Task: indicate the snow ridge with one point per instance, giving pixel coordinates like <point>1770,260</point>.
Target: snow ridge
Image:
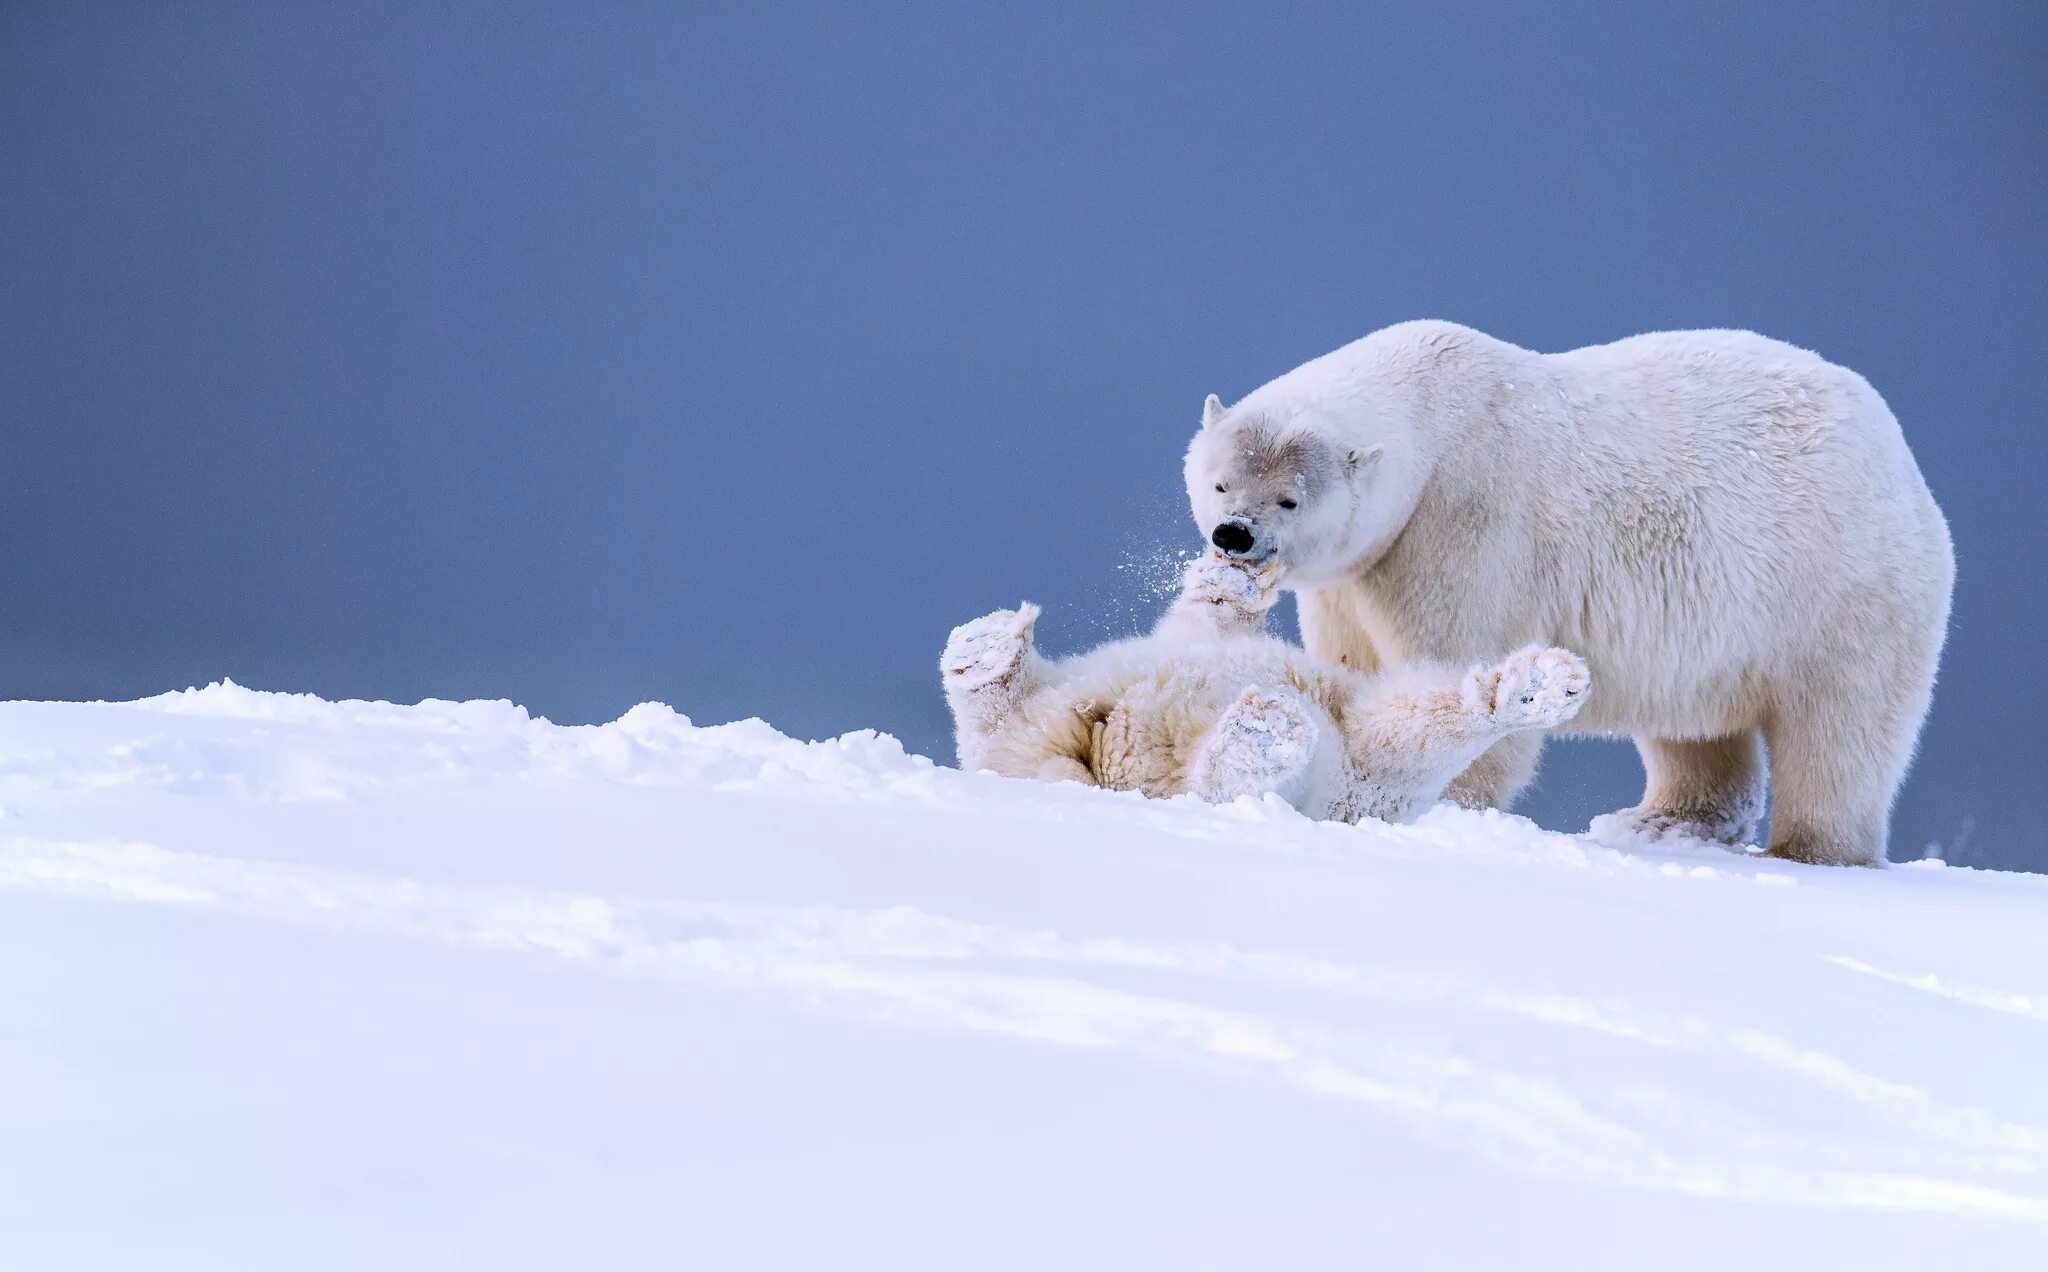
<point>1603,1016</point>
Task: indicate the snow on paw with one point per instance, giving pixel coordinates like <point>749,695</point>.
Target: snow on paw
<point>1215,579</point>
<point>1261,744</point>
<point>989,649</point>
<point>1533,688</point>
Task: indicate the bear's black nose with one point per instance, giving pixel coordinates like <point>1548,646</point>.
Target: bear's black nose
<point>1234,537</point>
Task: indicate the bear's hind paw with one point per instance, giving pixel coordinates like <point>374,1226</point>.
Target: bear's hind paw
<point>1262,743</point>
<point>1532,688</point>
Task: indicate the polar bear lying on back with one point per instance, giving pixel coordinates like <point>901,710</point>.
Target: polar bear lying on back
<point>1209,704</point>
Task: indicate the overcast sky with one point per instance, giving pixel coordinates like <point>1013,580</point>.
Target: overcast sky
<point>729,354</point>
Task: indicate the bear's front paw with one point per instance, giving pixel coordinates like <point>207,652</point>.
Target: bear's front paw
<point>987,650</point>
<point>1532,688</point>
<point>1214,579</point>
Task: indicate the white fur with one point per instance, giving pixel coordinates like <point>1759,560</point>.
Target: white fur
<point>1211,705</point>
<point>1730,529</point>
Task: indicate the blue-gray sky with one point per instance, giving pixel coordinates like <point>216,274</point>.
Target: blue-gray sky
<point>728,354</point>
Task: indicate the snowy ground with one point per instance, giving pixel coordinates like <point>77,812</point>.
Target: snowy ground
<point>291,984</point>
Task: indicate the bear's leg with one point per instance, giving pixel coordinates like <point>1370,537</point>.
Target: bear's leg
<point>989,666</point>
<point>1495,778</point>
<point>1413,737</point>
<point>1706,788</point>
<point>1264,742</point>
<point>1836,761</point>
<point>1331,631</point>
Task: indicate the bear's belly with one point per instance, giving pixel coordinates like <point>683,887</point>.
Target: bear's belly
<point>1683,680</point>
<point>1631,697</point>
<point>1696,677</point>
<point>1145,741</point>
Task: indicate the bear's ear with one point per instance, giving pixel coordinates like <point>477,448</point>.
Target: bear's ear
<point>1212,410</point>
<point>1357,461</point>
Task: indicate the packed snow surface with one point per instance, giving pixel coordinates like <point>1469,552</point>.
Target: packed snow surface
<point>287,983</point>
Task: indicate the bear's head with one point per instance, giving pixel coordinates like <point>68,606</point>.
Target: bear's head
<point>1262,486</point>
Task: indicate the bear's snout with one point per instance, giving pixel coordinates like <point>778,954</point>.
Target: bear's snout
<point>1233,538</point>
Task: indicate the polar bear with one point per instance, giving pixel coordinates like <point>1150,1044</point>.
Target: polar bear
<point>1211,704</point>
<point>1730,530</point>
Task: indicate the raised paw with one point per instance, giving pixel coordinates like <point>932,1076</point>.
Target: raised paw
<point>1262,743</point>
<point>988,650</point>
<point>1532,688</point>
<point>1214,579</point>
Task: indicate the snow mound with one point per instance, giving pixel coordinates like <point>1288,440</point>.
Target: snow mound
<point>305,983</point>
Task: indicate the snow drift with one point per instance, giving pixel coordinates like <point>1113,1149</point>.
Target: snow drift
<point>297,983</point>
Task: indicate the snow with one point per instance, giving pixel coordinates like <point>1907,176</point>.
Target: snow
<point>291,983</point>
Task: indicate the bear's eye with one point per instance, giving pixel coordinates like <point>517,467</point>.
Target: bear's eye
<point>1287,504</point>
<point>1219,487</point>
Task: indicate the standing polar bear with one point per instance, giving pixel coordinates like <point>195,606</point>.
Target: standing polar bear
<point>1210,705</point>
<point>1729,529</point>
